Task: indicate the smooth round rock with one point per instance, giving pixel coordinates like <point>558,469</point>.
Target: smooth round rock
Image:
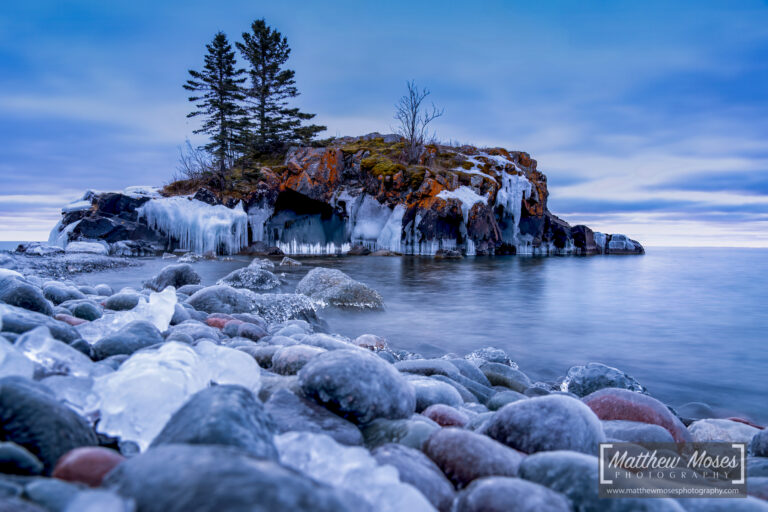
<point>431,391</point>
<point>464,456</point>
<point>583,380</point>
<point>251,331</point>
<point>122,301</point>
<point>501,494</point>
<point>759,445</point>
<point>173,275</point>
<point>503,398</point>
<point>87,310</point>
<point>104,290</point>
<point>34,419</point>
<point>182,478</point>
<point>289,360</point>
<point>222,415</point>
<point>87,465</point>
<point>16,460</point>
<point>194,329</point>
<point>357,385</point>
<point>58,292</point>
<point>621,404</point>
<point>292,413</point>
<point>19,293</point>
<point>553,422</point>
<point>502,375</point>
<point>412,432</point>
<point>418,470</point>
<point>446,416</point>
<point>636,432</point>
<point>134,336</point>
<point>726,431</point>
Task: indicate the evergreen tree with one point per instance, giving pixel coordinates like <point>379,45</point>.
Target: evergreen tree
<point>273,125</point>
<point>219,91</point>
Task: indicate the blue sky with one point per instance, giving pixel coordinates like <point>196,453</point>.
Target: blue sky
<point>649,118</point>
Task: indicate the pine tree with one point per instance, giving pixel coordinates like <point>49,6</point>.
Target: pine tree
<point>273,125</point>
<point>219,93</point>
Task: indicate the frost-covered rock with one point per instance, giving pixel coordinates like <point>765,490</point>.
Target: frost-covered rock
<point>431,391</point>
<point>726,431</point>
<point>221,299</point>
<point>357,385</point>
<point>34,419</point>
<point>88,247</point>
<point>18,320</point>
<point>53,357</point>
<point>181,478</point>
<point>222,415</point>
<point>335,288</point>
<point>464,456</point>
<point>281,307</point>
<point>173,275</point>
<point>158,311</point>
<point>137,400</point>
<point>122,301</point>
<point>502,375</point>
<point>57,292</point>
<point>553,422</point>
<point>350,468</point>
<point>251,278</point>
<point>583,380</point>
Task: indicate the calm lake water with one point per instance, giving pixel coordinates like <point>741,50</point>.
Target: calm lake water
<point>689,323</point>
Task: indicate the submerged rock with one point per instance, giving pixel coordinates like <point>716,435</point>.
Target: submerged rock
<point>553,422</point>
<point>251,278</point>
<point>357,385</point>
<point>335,288</point>
<point>180,478</point>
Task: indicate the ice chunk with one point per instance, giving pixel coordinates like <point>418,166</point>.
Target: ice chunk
<point>75,392</point>
<point>257,218</point>
<point>13,361</point>
<point>60,233</point>
<point>349,468</point>
<point>51,356</point>
<point>391,235</point>
<point>467,196</point>
<point>198,226</point>
<point>158,311</point>
<point>88,247</point>
<point>136,401</point>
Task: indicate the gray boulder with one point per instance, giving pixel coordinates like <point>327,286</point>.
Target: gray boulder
<point>173,275</point>
<point>497,494</point>
<point>17,292</point>
<point>583,380</point>
<point>357,385</point>
<point>134,336</point>
<point>220,299</point>
<point>335,288</point>
<point>251,278</point>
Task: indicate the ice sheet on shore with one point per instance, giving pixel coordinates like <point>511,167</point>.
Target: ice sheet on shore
<point>349,468</point>
<point>136,401</point>
<point>198,226</point>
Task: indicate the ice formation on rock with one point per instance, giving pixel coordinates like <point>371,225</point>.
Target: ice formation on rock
<point>136,401</point>
<point>52,356</point>
<point>257,219</point>
<point>467,196</point>
<point>349,468</point>
<point>13,361</point>
<point>198,226</point>
<point>295,247</point>
<point>88,247</point>
<point>514,188</point>
<point>158,310</point>
<point>60,234</point>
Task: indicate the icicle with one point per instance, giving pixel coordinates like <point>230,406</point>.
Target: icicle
<point>196,225</point>
<point>514,188</point>
<point>257,218</point>
<point>299,248</point>
<point>390,237</point>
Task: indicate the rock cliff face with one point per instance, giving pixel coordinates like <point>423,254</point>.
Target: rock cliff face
<point>353,192</point>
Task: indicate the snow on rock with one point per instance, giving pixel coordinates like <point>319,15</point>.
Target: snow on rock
<point>158,310</point>
<point>88,247</point>
<point>137,400</point>
<point>198,226</point>
<point>350,468</point>
<point>467,196</point>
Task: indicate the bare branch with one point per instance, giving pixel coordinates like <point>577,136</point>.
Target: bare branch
<point>414,119</point>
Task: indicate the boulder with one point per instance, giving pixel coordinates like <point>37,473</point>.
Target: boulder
<point>335,288</point>
<point>502,375</point>
<point>122,301</point>
<point>583,380</point>
<point>418,470</point>
<point>180,478</point>
<point>220,299</point>
<point>251,278</point>
<point>465,456</point>
<point>19,320</point>
<point>289,360</point>
<point>495,494</point>
<point>726,431</point>
<point>280,307</point>
<point>552,422</point>
<point>636,432</point>
<point>621,404</point>
<point>134,336</point>
<point>292,413</point>
<point>357,385</point>
<point>177,276</point>
<point>759,445</point>
<point>223,415</point>
<point>36,420</point>
<point>18,292</point>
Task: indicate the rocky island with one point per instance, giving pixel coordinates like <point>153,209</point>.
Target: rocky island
<point>346,195</point>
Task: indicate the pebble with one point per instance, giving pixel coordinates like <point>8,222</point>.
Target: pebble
<point>87,465</point>
<point>497,494</point>
<point>134,336</point>
<point>502,375</point>
<point>446,416</point>
<point>177,276</point>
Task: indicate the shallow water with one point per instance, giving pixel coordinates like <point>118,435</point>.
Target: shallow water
<point>689,324</point>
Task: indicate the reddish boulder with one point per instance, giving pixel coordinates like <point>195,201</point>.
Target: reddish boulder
<point>87,465</point>
<point>69,319</point>
<point>622,404</point>
<point>446,416</point>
